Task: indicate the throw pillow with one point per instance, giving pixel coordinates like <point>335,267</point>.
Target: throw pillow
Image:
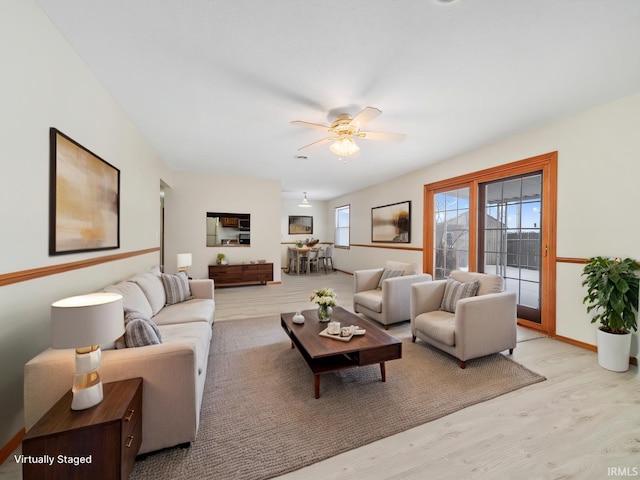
<point>176,287</point>
<point>455,291</point>
<point>389,273</point>
<point>139,330</point>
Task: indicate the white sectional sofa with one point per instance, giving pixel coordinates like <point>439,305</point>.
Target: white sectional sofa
<point>173,371</point>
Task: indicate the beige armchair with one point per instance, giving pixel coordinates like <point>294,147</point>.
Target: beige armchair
<point>383,293</point>
<point>479,325</point>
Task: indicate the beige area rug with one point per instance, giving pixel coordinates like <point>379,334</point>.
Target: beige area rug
<point>260,418</point>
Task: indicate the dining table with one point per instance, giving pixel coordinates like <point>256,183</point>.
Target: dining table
<point>298,259</point>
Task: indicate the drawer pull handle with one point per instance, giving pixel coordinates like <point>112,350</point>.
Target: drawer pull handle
<point>129,441</point>
<point>130,416</point>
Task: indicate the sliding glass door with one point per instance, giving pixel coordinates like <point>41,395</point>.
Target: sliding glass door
<point>509,237</point>
<point>502,221</point>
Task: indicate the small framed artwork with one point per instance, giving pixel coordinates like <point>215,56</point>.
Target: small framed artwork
<point>391,223</point>
<point>300,225</point>
<point>84,198</point>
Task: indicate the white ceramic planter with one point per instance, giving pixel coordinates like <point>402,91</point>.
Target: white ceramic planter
<point>613,351</point>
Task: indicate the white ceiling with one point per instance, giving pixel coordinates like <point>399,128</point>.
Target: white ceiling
<point>214,84</point>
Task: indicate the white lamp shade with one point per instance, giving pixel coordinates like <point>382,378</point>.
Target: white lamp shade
<point>184,260</point>
<point>85,320</point>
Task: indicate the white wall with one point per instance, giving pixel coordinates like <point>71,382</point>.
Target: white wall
<point>194,194</point>
<point>400,189</point>
<point>45,84</point>
<point>598,195</point>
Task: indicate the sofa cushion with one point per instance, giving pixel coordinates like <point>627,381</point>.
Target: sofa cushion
<point>153,289</point>
<point>455,291</point>
<point>132,297</point>
<point>389,273</point>
<point>438,325</point>
<point>194,310</point>
<point>140,331</point>
<point>176,287</point>
<point>371,299</point>
<point>196,333</point>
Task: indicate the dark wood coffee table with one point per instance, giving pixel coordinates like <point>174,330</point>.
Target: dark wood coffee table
<point>324,355</point>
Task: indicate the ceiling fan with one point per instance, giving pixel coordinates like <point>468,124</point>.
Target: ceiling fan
<point>343,131</point>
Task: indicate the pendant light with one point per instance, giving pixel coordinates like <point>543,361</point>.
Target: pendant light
<point>305,203</point>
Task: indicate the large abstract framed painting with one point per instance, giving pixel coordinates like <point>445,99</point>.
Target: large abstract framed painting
<point>84,199</point>
<point>300,225</point>
<point>391,223</point>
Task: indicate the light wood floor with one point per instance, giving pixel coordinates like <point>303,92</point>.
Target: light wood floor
<point>583,422</point>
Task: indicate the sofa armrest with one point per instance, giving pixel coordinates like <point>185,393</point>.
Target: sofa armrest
<point>169,373</point>
<point>364,280</point>
<point>486,324</point>
<point>426,297</point>
<point>202,288</point>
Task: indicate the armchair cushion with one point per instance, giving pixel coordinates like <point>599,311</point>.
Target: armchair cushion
<point>438,325</point>
<point>455,291</point>
<point>371,299</point>
<point>389,273</point>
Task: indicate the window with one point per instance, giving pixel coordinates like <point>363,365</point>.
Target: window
<point>342,226</point>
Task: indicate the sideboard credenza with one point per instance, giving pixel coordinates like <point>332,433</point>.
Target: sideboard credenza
<point>241,274</point>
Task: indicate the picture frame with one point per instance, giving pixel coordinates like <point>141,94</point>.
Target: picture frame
<point>84,198</point>
<point>391,223</point>
<point>300,225</point>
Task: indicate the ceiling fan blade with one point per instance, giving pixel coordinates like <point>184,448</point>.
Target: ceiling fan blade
<point>319,142</point>
<point>389,137</point>
<point>311,125</point>
<point>365,116</point>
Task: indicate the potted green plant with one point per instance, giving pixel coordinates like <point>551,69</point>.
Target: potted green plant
<point>221,259</point>
<point>612,292</point>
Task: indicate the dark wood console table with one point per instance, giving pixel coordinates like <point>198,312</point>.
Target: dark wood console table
<point>241,274</point>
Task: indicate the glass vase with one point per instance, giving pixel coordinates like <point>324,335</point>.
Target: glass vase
<point>324,313</point>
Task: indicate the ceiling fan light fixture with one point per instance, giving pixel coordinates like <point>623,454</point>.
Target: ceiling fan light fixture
<point>344,147</point>
<point>305,202</point>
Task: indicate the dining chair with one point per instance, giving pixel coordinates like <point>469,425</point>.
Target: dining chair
<point>321,262</point>
<point>328,257</point>
<point>312,260</point>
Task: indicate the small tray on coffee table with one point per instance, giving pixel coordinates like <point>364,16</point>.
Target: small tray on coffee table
<point>325,333</point>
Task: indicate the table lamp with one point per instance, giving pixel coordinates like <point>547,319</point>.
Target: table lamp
<point>85,322</point>
<point>184,262</point>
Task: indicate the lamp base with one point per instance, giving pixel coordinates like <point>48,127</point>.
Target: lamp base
<point>87,386</point>
<point>84,398</point>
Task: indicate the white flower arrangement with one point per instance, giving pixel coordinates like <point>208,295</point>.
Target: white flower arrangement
<point>324,296</point>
